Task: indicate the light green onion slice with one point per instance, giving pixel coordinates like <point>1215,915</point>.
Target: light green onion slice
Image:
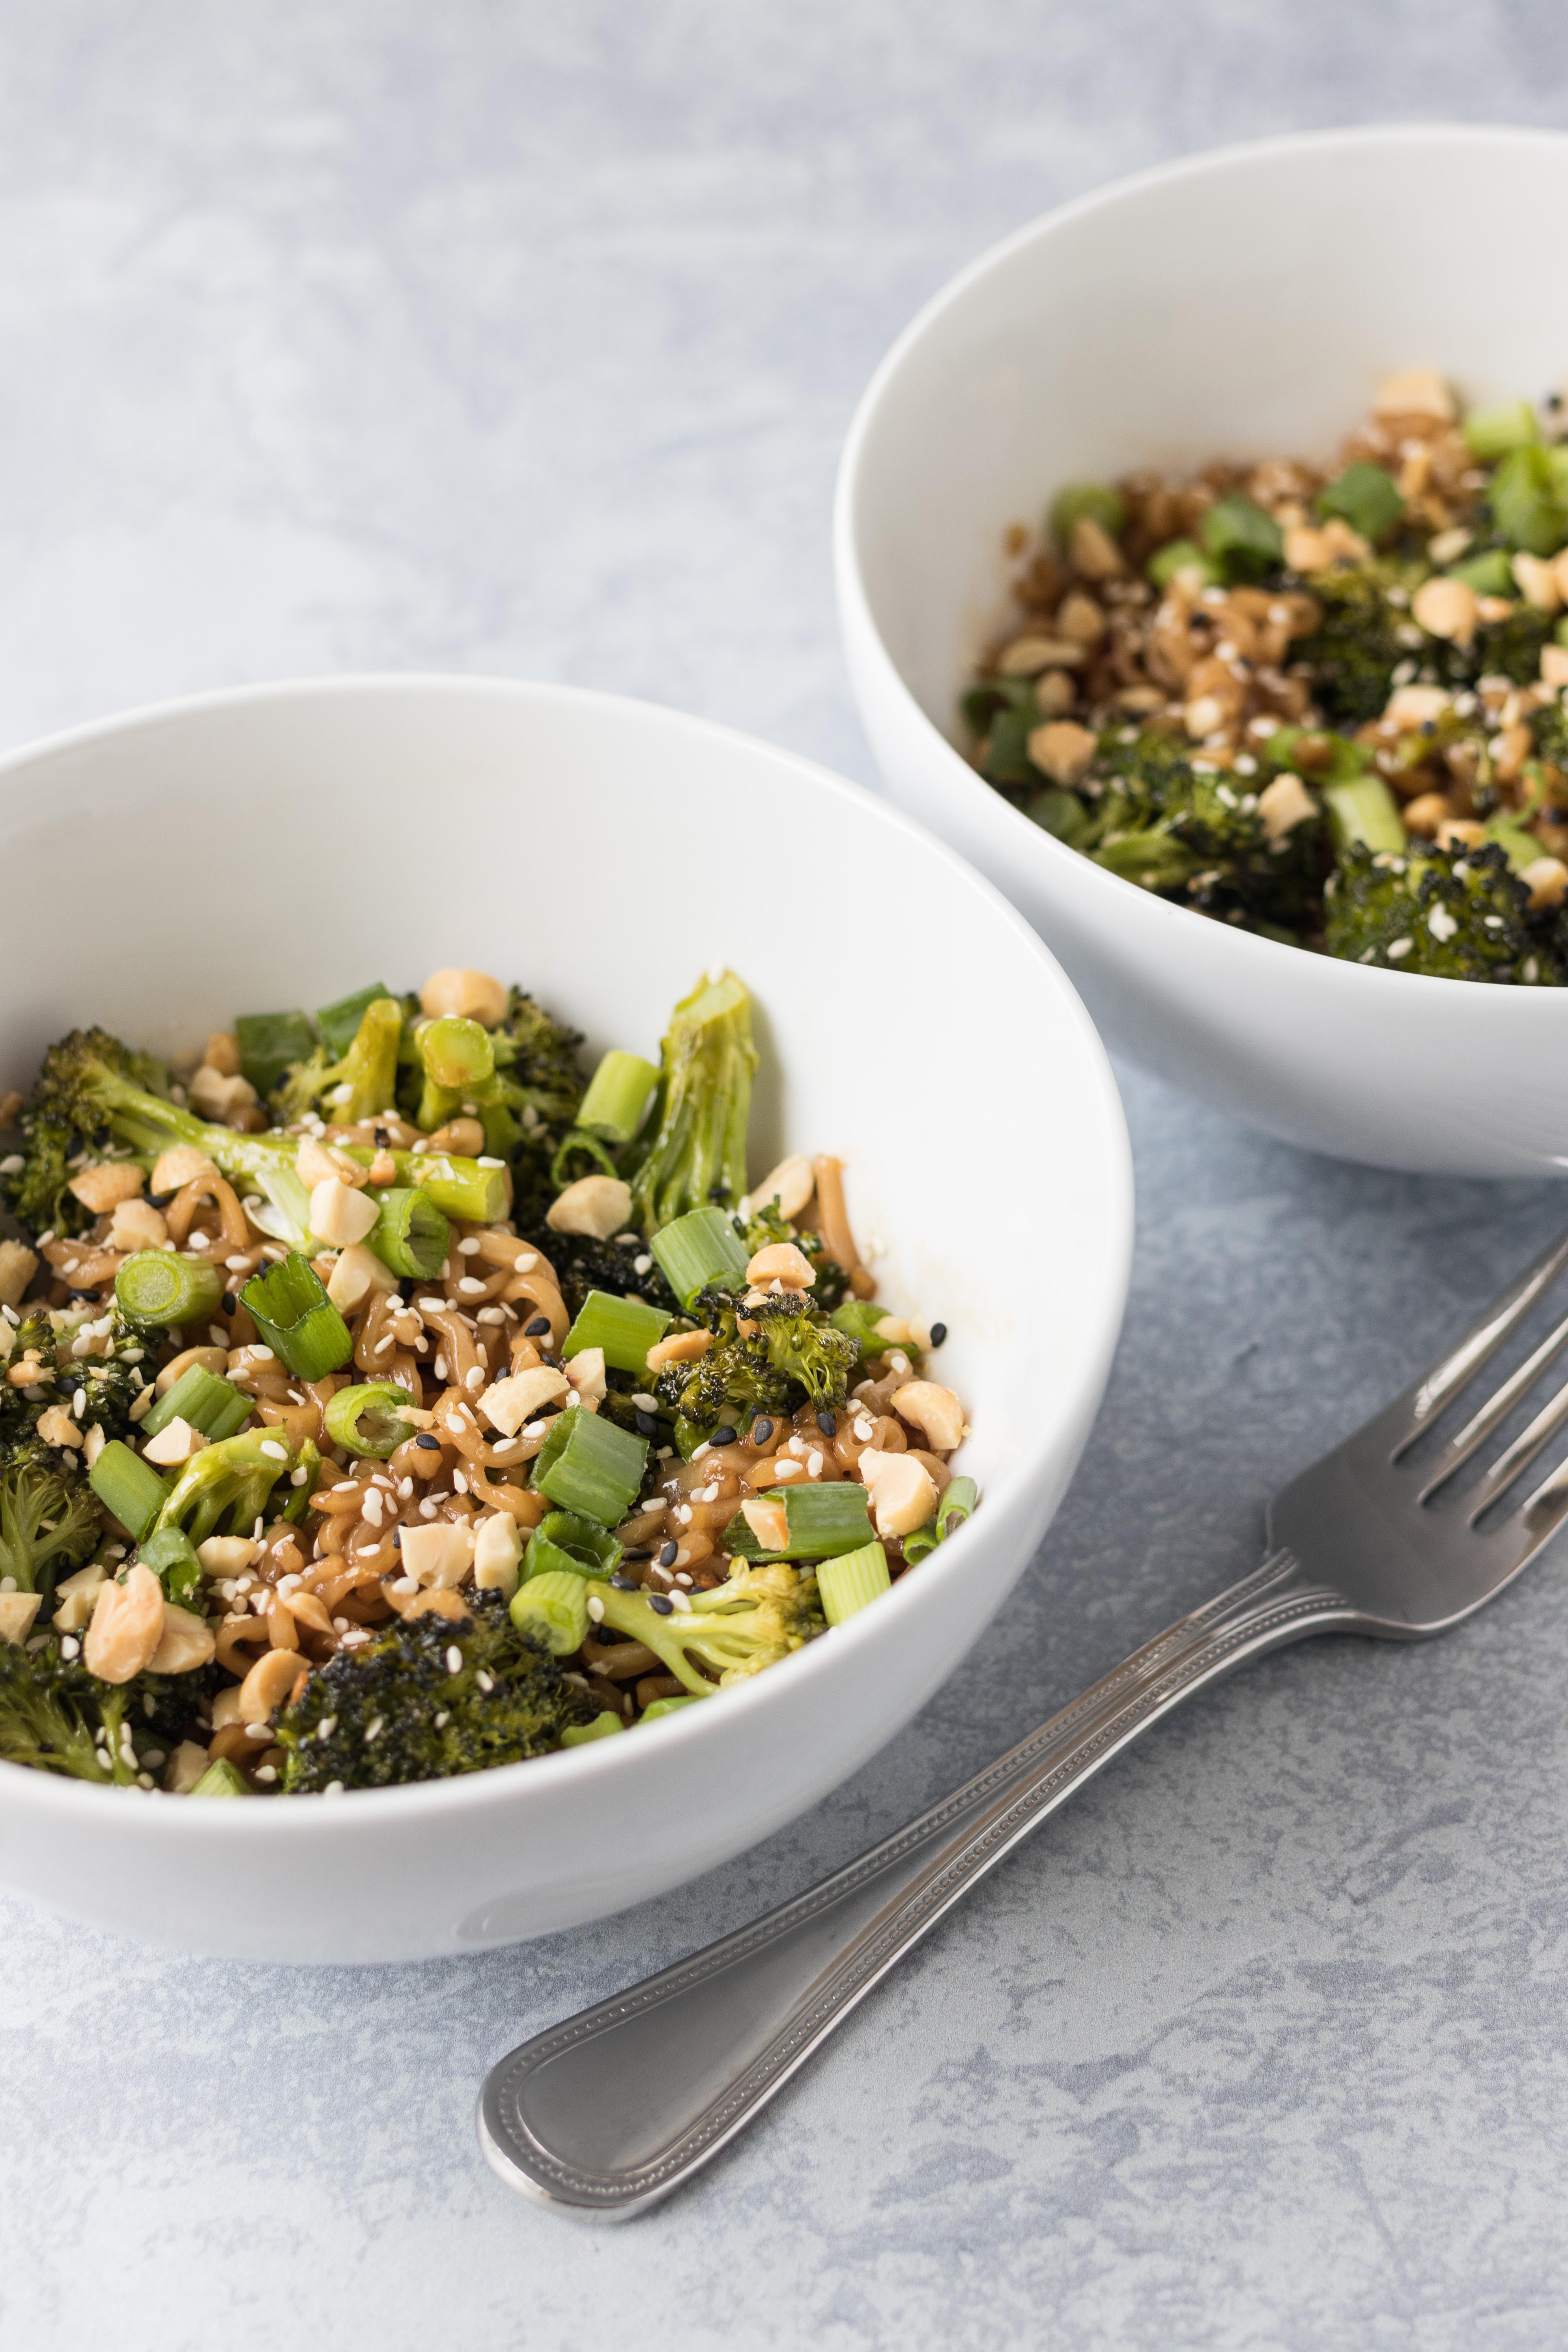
<point>823,1522</point>
<point>618,1098</point>
<point>161,1288</point>
<point>129,1488</point>
<point>956,1505</point>
<point>172,1557</point>
<point>625,1328</point>
<point>297,1319</point>
<point>657,1707</point>
<point>554,1608</point>
<point>697,1249</point>
<point>270,1043</point>
<point>852,1582</point>
<point>410,1234</point>
<point>215,1407</point>
<point>565,1544</point>
<point>339,1023</point>
<point>368,1419</point>
<point>578,1735</point>
<point>588,1465</point>
<point>223,1779</point>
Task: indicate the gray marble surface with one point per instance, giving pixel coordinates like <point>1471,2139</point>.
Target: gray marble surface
<point>521,337</point>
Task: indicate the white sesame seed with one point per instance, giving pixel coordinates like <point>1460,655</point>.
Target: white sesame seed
<point>484,1161</point>
<point>470,1285</point>
<point>679,1600</point>
<point>595,1608</point>
<point>442,1721</point>
<point>642,1265</point>
<point>453,1660</point>
<point>69,1647</point>
<point>145,1780</point>
<point>333,1789</point>
<point>644,1403</point>
<point>268,1772</point>
<point>259,1353</point>
<point>276,1451</point>
<point>486,1680</point>
<point>474,1378</point>
<point>262,1730</point>
<point>813,1465</point>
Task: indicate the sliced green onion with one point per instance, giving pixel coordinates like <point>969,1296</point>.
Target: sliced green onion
<point>161,1288</point>
<point>1362,809</point>
<point>223,1779</point>
<point>852,1582</point>
<point>458,1188</point>
<point>618,1098</point>
<point>554,1608</point>
<point>215,1407</point>
<point>1490,574</point>
<point>297,1319</point>
<point>699,1248</point>
<point>456,1052</point>
<point>339,1023</point>
<point>563,1543</point>
<point>172,1557</point>
<point>368,1419</point>
<point>410,1234</point>
<point>1180,555</point>
<point>823,1522</point>
<point>956,1505</point>
<point>1527,501</point>
<point>578,1735</point>
<point>1521,849</point>
<point>1086,503</point>
<point>587,1465</point>
<point>657,1707</point>
<point>288,1215</point>
<point>1364,496</point>
<point>311,1465</point>
<point>625,1328</point>
<point>921,1541</point>
<point>363,1084</point>
<point>1242,536</point>
<point>270,1043</point>
<point>1492,432</point>
<point>578,1143</point>
<point>129,1488</point>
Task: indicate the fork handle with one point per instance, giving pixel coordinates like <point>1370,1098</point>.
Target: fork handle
<point>609,2111</point>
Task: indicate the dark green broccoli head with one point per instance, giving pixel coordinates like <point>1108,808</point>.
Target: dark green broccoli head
<point>1174,823</point>
<point>582,1264</point>
<point>110,1384</point>
<point>57,1717</point>
<point>49,1525</point>
<point>1363,636</point>
<point>1452,915</point>
<point>535,1095</point>
<point>69,1115</point>
<point>794,1357</point>
<point>20,1407</point>
<point>394,1709</point>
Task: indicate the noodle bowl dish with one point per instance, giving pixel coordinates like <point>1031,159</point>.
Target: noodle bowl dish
<point>500,1372</point>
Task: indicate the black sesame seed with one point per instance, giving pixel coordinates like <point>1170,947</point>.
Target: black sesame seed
<point>722,1435</point>
<point>160,1200</point>
<point>827,1424</point>
<point>228,1303</point>
<point>431,1444</point>
<point>382,1137</point>
<point>938,1334</point>
<point>761,1431</point>
<point>539,1323</point>
<point>662,1603</point>
<point>84,1294</point>
<point>624,1583</point>
<point>666,1557</point>
<point>647,1425</point>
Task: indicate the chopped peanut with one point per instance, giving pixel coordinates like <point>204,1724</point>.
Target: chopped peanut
<point>1427,814</point>
<point>498,1553</point>
<point>222,1053</point>
<point>1546,880</point>
<point>315,1163</point>
<point>17,1611</point>
<point>586,1373</point>
<point>1284,805</point>
<point>1537,582</point>
<point>903,1491</point>
<point>126,1628</point>
<point>791,1183</point>
<point>18,1264</point>
<point>1062,750</point>
<point>596,1205</point>
<point>357,1273</point>
<point>1093,553</point>
<point>1446,608</point>
<point>175,1442</point>
<point>781,1261</point>
<point>136,1226</point>
<point>180,1165</point>
<point>438,1552</point>
<point>1414,392</point>
<point>683,1348</point>
<point>457,994</point>
<point>934,1408</point>
<point>75,1596</point>
<point>186,1642</point>
<point>508,1403</point>
<point>185,1768</point>
<point>217,1096</point>
<point>100,1188</point>
<point>339,1214</point>
<point>58,1427</point>
<point>768,1521</point>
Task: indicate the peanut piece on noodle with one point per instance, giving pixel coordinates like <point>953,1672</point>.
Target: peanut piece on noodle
<point>127,1626</point>
<point>181,1166</point>
<point>934,1409</point>
<point>185,1768</point>
<point>103,1188</point>
<point>316,1164</point>
<point>683,1348</point>
<point>498,1553</point>
<point>341,1214</point>
<point>903,1491</point>
<point>596,1205</point>
<point>356,1274</point>
<point>508,1403</point>
<point>136,1226</point>
<point>268,1685</point>
<point>228,1555</point>
<point>177,1442</point>
<point>781,1261</point>
<point>438,1552</point>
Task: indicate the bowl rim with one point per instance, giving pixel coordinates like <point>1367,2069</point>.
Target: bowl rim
<point>501,1785</point>
<point>1265,956</point>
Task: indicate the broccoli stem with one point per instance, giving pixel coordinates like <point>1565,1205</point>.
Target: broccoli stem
<point>696,1152</point>
<point>1363,809</point>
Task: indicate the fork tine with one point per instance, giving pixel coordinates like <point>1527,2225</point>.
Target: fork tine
<point>1491,1416</point>
<point>1442,1382</point>
<point>1511,1465</point>
<point>1542,1513</point>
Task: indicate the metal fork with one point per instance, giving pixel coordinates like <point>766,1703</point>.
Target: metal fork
<point>607,2112</point>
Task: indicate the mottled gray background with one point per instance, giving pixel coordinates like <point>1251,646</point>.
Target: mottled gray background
<point>346,333</point>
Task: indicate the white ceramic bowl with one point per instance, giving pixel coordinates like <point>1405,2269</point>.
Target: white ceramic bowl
<point>281,845</point>
<point>1241,303</point>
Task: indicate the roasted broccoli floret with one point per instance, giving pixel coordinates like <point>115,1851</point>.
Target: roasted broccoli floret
<point>582,1264</point>
<point>355,1087</point>
<point>69,1114</point>
<point>394,1709</point>
<point>1361,639</point>
<point>1452,915</point>
<point>694,1153</point>
<point>48,1526</point>
<point>108,1384</point>
<point>539,1080</point>
<point>57,1717</point>
<point>750,1622</point>
<point>793,1357</point>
